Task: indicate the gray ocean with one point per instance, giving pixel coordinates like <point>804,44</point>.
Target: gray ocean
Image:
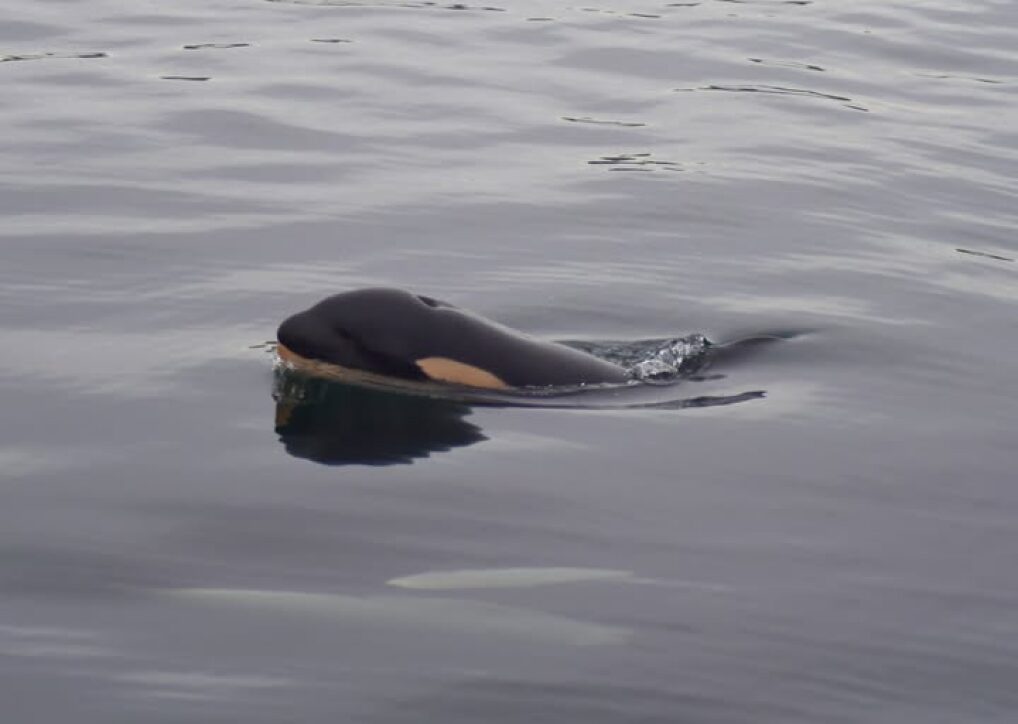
<point>825,530</point>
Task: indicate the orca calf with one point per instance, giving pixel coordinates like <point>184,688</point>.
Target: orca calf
<point>394,335</point>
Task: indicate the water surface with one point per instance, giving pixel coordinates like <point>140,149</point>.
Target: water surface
<point>175,180</point>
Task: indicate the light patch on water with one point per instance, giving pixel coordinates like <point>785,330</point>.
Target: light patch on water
<point>197,685</point>
<point>57,224</point>
<point>529,577</point>
<point>18,461</point>
<point>831,306</point>
<point>199,679</point>
<point>451,615</point>
<point>50,643</point>
<point>509,578</point>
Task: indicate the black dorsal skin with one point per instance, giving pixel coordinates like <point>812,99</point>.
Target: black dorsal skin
<point>391,331</point>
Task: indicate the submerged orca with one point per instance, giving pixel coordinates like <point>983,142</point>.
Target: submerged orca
<point>392,334</point>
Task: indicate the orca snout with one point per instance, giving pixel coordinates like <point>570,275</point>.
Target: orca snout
<point>307,337</point>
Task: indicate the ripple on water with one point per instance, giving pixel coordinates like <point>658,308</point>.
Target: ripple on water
<point>603,122</point>
<point>54,55</point>
<point>779,91</point>
<point>636,162</point>
<point>392,4</point>
<point>217,46</point>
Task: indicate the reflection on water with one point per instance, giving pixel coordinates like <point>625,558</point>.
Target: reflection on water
<point>337,424</point>
<point>453,615</point>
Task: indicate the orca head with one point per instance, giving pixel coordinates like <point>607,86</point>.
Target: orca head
<point>372,330</point>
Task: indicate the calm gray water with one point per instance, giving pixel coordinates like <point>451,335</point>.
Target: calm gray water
<point>176,178</point>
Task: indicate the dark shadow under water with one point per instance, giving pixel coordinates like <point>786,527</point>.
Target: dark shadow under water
<point>333,423</point>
